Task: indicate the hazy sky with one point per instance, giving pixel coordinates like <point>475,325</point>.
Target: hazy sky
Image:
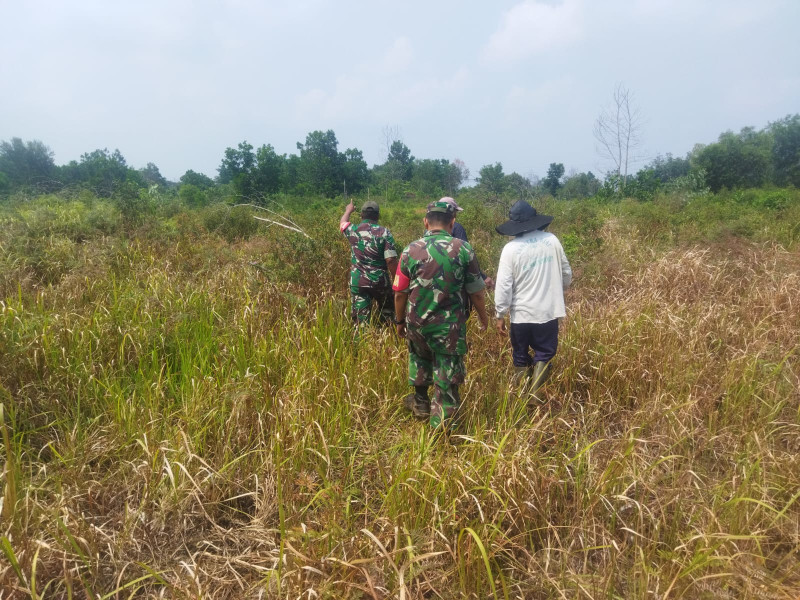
<point>521,83</point>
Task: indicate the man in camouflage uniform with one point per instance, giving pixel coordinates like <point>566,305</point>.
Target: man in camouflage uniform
<point>373,258</point>
<point>429,303</point>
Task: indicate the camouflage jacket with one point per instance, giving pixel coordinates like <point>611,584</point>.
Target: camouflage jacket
<point>370,246</point>
<point>437,270</point>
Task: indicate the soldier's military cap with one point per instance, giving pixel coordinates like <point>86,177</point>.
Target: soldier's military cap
<point>442,207</point>
<point>370,206</point>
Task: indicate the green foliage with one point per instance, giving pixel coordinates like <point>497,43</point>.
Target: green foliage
<point>736,161</point>
<point>152,176</point>
<point>320,169</point>
<point>26,164</point>
<point>582,185</point>
<point>230,222</point>
<point>192,195</point>
<point>552,182</point>
<point>786,150</point>
<point>101,171</point>
<point>199,180</point>
<point>134,203</point>
<point>517,185</point>
<point>491,180</point>
<point>355,171</point>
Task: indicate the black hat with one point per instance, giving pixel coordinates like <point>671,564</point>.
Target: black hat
<point>370,208</point>
<point>522,218</point>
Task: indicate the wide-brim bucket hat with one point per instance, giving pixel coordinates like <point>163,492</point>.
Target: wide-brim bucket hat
<point>523,218</point>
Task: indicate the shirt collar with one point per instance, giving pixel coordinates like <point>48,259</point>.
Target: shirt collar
<point>432,232</point>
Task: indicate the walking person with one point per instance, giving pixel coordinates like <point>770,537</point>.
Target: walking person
<point>373,260</point>
<point>531,279</point>
<point>433,274</point>
<point>461,233</point>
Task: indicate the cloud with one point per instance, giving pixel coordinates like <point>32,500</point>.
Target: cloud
<point>399,57</point>
<point>390,87</point>
<point>533,27</point>
<point>528,106</point>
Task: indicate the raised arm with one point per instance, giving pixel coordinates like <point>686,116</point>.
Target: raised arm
<point>346,216</point>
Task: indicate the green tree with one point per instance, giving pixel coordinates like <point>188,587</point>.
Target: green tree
<point>431,177</point>
<point>492,180</point>
<point>321,165</point>
<point>400,161</point>
<point>236,168</point>
<point>519,185</point>
<point>786,150</point>
<point>199,180</point>
<point>552,181</point>
<point>268,172</point>
<point>740,160</point>
<point>356,171</point>
<point>103,171</point>
<point>666,168</point>
<point>152,176</point>
<point>27,163</point>
<point>581,185</point>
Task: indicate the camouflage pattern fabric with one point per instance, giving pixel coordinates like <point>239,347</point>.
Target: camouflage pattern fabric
<point>439,268</point>
<point>370,245</point>
<point>445,371</point>
<point>361,305</point>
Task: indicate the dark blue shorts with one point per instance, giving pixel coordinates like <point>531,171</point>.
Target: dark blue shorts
<point>542,337</point>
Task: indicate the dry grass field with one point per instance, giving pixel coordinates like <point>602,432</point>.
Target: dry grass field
<point>187,414</point>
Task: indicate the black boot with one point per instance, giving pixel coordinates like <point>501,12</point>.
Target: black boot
<point>418,403</point>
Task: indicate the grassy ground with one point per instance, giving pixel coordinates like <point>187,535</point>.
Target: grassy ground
<point>178,422</point>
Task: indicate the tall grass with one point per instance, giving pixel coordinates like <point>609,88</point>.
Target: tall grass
<point>187,414</point>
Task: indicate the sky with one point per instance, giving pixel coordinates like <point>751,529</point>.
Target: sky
<point>176,82</point>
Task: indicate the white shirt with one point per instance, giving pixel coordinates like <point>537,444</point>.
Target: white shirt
<point>531,279</point>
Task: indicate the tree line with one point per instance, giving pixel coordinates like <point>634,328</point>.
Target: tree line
<point>748,159</point>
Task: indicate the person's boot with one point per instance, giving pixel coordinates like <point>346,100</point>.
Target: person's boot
<point>541,371</point>
<point>520,380</point>
<point>418,403</point>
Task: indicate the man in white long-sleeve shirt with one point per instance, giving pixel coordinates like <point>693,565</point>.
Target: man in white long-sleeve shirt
<point>531,279</point>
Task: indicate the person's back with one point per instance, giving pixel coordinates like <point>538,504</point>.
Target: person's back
<point>368,244</point>
<point>438,267</point>
<point>531,279</point>
<point>536,272</point>
<point>434,273</point>
<point>372,260</point>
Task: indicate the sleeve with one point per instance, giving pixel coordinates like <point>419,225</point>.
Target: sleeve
<point>389,247</point>
<point>345,227</point>
<point>504,285</point>
<point>473,282</point>
<point>566,270</point>
<point>402,278</point>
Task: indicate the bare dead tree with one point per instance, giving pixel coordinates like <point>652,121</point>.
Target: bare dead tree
<point>618,131</point>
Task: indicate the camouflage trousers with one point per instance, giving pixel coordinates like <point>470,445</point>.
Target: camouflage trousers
<point>361,305</point>
<point>445,371</point>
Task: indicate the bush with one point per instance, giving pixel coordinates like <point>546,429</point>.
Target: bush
<point>230,222</point>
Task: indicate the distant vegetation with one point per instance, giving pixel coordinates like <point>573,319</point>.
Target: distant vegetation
<point>749,159</point>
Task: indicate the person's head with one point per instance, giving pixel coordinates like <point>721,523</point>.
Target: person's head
<point>370,211</point>
<point>440,215</point>
<point>523,218</point>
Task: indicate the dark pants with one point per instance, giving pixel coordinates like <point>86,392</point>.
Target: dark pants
<point>542,337</point>
<point>361,305</point>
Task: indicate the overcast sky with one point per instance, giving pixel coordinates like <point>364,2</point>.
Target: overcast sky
<point>521,83</point>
